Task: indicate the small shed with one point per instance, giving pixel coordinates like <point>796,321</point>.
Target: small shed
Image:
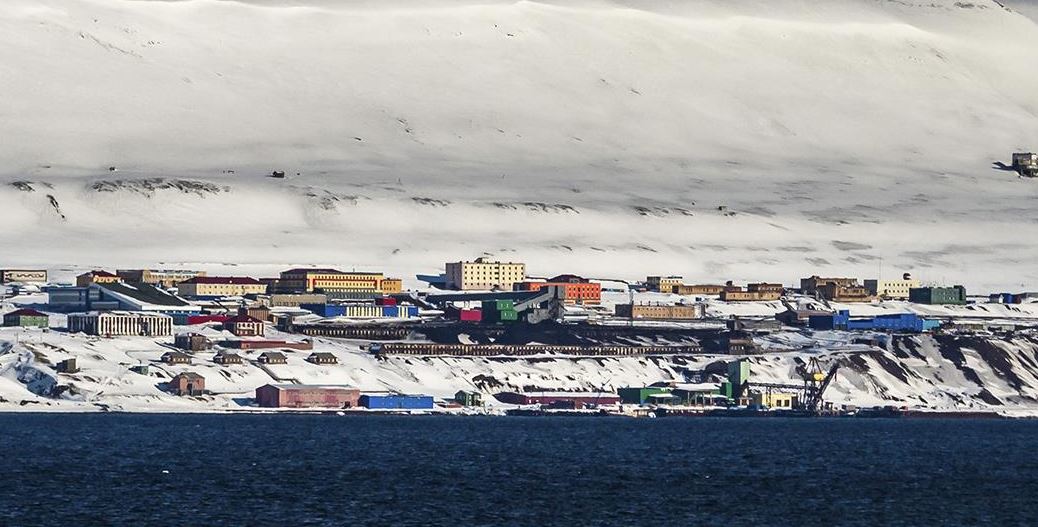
<point>187,383</point>
<point>176,357</point>
<point>66,366</point>
<point>272,357</point>
<point>322,357</point>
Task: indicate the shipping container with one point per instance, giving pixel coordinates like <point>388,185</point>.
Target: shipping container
<point>385,301</point>
<point>498,305</point>
<point>470,315</point>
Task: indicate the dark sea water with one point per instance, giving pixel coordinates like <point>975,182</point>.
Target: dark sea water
<point>329,470</point>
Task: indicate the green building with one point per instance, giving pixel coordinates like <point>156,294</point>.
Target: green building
<point>640,395</point>
<point>938,295</point>
<point>468,398</point>
<point>26,318</point>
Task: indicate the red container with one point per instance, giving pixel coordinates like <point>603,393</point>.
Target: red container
<point>385,301</point>
<point>470,315</point>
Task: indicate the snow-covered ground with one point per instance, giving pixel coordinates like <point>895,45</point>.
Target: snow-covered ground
<point>735,139</point>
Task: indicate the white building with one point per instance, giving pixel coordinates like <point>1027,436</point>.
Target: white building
<point>484,275</point>
<point>121,323</point>
<point>891,289</point>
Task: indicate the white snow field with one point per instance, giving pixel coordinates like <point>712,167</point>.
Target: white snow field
<point>735,139</point>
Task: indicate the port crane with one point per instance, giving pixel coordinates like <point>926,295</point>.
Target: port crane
<point>816,379</point>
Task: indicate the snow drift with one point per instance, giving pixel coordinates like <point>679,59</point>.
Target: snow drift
<point>735,139</point>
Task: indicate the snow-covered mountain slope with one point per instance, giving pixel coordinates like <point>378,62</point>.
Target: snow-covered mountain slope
<point>940,373</point>
<point>745,139</point>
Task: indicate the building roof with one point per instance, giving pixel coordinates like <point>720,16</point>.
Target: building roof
<point>25,312</point>
<point>568,279</point>
<point>241,319</point>
<point>119,314</point>
<point>322,270</point>
<point>289,387</point>
<point>189,375</point>
<point>238,280</point>
<point>99,272</point>
<point>175,354</point>
<point>142,294</point>
<point>276,354</point>
<point>322,354</point>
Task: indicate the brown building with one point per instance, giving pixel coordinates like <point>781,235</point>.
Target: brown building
<point>291,299</point>
<point>700,289</point>
<point>660,311</point>
<point>226,357</point>
<point>244,326</point>
<point>192,342</point>
<point>759,292</point>
<point>176,357</point>
<point>164,278</point>
<point>321,357</point>
<point>576,290</point>
<point>835,289</point>
<point>96,277</point>
<point>306,396</point>
<point>259,312</point>
<point>187,383</point>
<point>272,357</point>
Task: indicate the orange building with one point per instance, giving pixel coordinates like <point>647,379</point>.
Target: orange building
<point>577,290</point>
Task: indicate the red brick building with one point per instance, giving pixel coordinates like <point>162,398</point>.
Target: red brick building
<point>187,383</point>
<point>307,396</point>
<point>577,290</point>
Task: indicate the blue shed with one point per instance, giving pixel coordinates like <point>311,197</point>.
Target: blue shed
<point>397,402</point>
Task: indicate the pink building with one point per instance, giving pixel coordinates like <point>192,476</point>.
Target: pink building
<point>307,396</point>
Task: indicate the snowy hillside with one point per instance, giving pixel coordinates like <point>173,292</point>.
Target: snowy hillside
<point>744,139</point>
<point>943,372</point>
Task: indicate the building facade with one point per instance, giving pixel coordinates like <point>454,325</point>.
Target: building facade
<point>576,290</point>
<point>27,318</point>
<point>187,383</point>
<point>307,396</point>
<point>306,280</point>
<point>161,277</point>
<point>244,326</point>
<point>759,292</point>
<point>396,402</point>
<point>208,287</point>
<point>660,311</point>
<point>663,284</point>
<point>698,289</point>
<point>891,289</point>
<point>117,323</point>
<point>835,289</point>
<point>955,295</point>
<point>482,274</point>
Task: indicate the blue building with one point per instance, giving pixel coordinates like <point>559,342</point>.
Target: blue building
<point>325,310</point>
<point>895,322</point>
<point>397,402</point>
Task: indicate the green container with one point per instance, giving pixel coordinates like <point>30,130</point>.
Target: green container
<point>509,316</point>
<point>498,305</point>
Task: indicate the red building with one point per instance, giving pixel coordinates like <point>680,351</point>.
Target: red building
<point>244,326</point>
<point>577,399</point>
<point>187,383</point>
<point>306,396</point>
<point>577,290</point>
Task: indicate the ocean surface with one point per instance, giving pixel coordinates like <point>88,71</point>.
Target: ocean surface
<point>107,469</point>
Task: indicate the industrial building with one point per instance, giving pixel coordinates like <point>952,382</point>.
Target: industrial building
<point>187,383</point>
<point>166,278</point>
<point>26,317</point>
<point>484,275</point>
<point>1026,163</point>
<point>698,289</point>
<point>118,296</point>
<point>955,295</point>
<point>581,399</point>
<point>307,396</point>
<point>291,299</point>
<point>96,277</point>
<point>891,289</point>
<point>894,322</point>
<point>24,276</point>
<point>361,310</point>
<point>396,402</point>
<point>120,323</point>
<point>660,311</point>
<point>576,290</point>
<point>210,287</point>
<point>758,292</point>
<point>640,395</point>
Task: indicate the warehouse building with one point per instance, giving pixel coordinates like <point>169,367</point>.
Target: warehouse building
<point>482,274</point>
<point>118,296</point>
<point>640,395</point>
<point>396,402</point>
<point>307,396</point>
<point>698,290</point>
<point>27,318</point>
<point>120,323</point>
<point>955,295</point>
<point>893,322</point>
<point>580,399</point>
<point>210,287</point>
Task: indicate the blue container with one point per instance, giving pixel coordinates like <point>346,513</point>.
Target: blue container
<point>397,402</point>
<point>325,310</point>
